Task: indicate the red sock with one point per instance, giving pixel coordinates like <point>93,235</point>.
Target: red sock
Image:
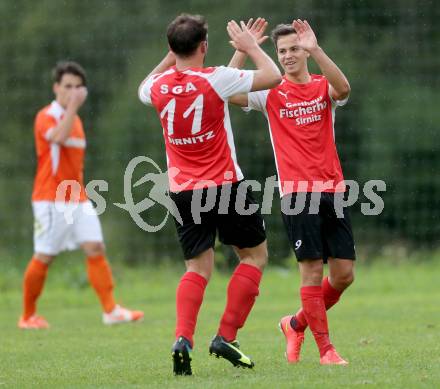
<point>242,291</point>
<point>315,313</point>
<point>189,297</point>
<point>331,297</point>
<point>33,283</point>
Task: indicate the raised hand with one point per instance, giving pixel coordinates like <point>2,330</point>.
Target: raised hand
<point>241,39</point>
<point>257,29</point>
<point>306,37</point>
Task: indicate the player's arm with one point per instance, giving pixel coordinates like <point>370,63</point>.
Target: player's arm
<point>239,100</point>
<point>267,75</point>
<point>168,61</point>
<point>339,88</point>
<point>238,60</point>
<point>62,131</point>
<point>144,88</point>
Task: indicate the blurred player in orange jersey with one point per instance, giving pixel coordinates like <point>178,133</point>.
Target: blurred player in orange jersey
<point>60,146</point>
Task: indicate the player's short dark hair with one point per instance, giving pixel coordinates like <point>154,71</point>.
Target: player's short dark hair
<point>68,67</point>
<point>281,30</point>
<point>185,33</point>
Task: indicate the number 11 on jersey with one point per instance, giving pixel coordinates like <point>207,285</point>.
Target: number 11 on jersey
<point>196,106</point>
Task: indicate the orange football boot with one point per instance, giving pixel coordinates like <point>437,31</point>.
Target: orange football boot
<point>294,339</point>
<point>35,322</point>
<point>331,357</point>
<point>121,315</point>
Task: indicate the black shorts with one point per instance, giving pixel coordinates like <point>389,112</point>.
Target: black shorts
<point>198,233</point>
<point>322,234</point>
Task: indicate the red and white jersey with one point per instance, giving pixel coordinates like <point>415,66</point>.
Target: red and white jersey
<point>301,124</point>
<point>58,162</point>
<point>193,110</point>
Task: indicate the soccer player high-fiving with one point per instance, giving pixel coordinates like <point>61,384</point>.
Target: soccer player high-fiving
<point>192,103</point>
<point>300,112</point>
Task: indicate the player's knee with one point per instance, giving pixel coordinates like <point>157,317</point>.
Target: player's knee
<point>311,279</point>
<point>311,272</point>
<point>261,258</point>
<point>348,279</point>
<point>343,281</point>
<point>203,264</point>
<point>256,256</point>
<point>47,259</point>
<point>204,271</point>
<point>206,274</point>
<point>94,248</point>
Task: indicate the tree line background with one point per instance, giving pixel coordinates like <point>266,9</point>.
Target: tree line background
<point>388,131</point>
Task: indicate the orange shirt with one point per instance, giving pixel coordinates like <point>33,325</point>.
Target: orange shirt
<point>58,162</point>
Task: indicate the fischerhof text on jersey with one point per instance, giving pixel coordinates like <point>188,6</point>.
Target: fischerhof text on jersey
<point>304,112</point>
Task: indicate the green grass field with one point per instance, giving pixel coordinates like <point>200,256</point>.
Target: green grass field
<point>387,325</point>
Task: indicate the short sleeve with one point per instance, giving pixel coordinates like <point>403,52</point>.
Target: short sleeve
<point>257,100</point>
<point>336,103</point>
<point>144,90</point>
<point>44,124</point>
<point>230,81</point>
<point>339,103</point>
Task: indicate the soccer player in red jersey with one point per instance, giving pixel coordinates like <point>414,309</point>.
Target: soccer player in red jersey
<point>60,145</point>
<point>192,103</point>
<point>300,112</point>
